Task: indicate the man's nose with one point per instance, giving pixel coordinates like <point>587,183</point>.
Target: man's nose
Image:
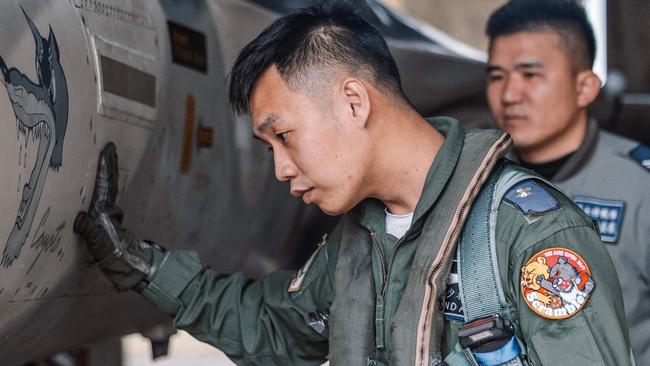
<point>285,169</point>
<point>512,90</point>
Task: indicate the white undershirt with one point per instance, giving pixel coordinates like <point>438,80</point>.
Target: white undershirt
<point>397,225</point>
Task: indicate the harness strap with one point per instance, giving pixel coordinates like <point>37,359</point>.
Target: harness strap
<point>460,357</point>
<point>481,290</point>
<point>478,281</point>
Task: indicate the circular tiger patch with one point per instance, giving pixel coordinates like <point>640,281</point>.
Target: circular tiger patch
<point>556,283</point>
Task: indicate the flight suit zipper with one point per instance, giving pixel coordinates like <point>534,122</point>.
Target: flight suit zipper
<point>379,301</point>
<point>380,329</point>
<point>452,236</point>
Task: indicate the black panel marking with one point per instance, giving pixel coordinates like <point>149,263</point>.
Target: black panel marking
<point>127,82</point>
<point>188,47</point>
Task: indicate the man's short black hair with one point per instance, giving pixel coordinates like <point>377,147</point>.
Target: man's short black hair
<point>565,17</point>
<point>318,38</point>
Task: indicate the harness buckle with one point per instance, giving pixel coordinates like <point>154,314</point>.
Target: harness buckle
<point>486,334</point>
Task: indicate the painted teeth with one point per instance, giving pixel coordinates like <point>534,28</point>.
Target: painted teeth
<point>34,132</point>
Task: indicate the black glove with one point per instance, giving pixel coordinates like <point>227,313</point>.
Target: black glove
<point>125,260</point>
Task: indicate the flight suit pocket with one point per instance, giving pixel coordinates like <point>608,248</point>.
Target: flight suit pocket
<point>567,342</point>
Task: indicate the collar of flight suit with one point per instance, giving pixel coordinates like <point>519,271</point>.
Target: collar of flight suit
<point>461,165</point>
<point>578,159</point>
<point>372,214</point>
<point>581,156</point>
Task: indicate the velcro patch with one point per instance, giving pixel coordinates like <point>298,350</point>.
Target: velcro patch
<point>556,283</point>
<point>453,306</point>
<point>299,277</point>
<point>607,213</point>
<point>641,154</point>
<point>531,198</point>
<point>320,322</point>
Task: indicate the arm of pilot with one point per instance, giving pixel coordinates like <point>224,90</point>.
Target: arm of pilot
<point>254,322</point>
<point>597,334</point>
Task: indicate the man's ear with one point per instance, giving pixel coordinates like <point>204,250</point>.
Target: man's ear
<point>588,87</point>
<point>357,100</point>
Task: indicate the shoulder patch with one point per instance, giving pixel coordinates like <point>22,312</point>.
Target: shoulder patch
<point>531,198</point>
<point>607,213</point>
<point>299,277</point>
<point>641,154</point>
<point>556,283</point>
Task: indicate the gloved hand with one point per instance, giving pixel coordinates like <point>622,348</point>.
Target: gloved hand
<point>125,260</point>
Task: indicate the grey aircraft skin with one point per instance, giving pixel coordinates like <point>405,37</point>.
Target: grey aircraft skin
<point>150,76</point>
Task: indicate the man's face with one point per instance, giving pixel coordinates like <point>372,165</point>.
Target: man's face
<point>532,89</point>
<point>314,147</point>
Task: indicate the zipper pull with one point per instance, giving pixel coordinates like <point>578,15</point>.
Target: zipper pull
<point>379,324</point>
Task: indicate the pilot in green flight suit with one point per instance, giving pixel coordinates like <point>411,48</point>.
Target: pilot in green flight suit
<point>324,94</point>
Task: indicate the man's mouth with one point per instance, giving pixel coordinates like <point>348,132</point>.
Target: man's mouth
<point>509,117</point>
<point>306,197</point>
<point>304,192</point>
<point>513,117</point>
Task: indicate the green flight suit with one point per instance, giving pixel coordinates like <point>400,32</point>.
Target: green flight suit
<point>262,323</point>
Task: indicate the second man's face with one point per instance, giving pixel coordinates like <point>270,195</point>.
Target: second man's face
<point>531,88</point>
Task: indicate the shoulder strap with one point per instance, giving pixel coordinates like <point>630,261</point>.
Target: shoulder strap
<point>481,291</point>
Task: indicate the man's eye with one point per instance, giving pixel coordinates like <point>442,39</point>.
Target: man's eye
<point>282,136</point>
<point>495,77</point>
<point>530,74</point>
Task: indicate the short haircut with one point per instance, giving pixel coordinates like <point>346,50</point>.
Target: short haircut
<point>566,18</point>
<point>315,39</point>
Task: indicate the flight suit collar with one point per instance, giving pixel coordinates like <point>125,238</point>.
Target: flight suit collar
<point>372,214</point>
<point>581,156</point>
<point>578,159</point>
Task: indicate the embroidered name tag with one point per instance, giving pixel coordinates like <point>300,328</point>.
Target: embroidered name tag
<point>453,306</point>
<point>607,213</point>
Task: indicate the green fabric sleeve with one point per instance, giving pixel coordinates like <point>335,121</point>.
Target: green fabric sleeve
<point>597,334</point>
<point>172,272</point>
<point>253,322</point>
